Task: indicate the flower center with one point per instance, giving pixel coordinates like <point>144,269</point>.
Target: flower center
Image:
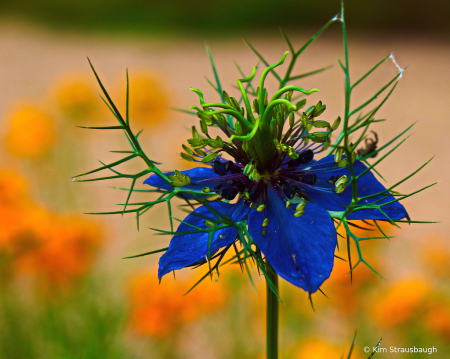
<point>250,184</point>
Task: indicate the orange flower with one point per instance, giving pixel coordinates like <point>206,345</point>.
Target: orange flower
<point>76,97</point>
<point>400,302</point>
<point>148,103</point>
<point>15,206</point>
<point>159,309</point>
<point>13,187</point>
<point>315,348</point>
<point>437,320</point>
<point>31,132</point>
<point>60,249</point>
<point>436,256</point>
<point>56,249</point>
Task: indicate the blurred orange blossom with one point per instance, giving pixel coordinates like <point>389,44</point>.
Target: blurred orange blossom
<point>76,97</point>
<point>157,310</point>
<point>54,248</point>
<point>31,131</point>
<point>148,102</point>
<point>315,348</point>
<point>400,302</point>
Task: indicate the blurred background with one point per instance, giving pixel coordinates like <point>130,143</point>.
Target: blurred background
<point>66,292</point>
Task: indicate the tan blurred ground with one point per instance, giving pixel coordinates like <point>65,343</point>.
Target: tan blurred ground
<point>31,60</point>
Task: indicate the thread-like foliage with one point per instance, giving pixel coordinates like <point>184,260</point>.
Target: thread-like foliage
<point>245,126</point>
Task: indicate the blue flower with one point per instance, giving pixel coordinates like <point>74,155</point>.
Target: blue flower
<point>287,213</point>
<point>286,197</point>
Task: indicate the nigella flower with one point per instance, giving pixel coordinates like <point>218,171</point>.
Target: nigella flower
<point>272,180</point>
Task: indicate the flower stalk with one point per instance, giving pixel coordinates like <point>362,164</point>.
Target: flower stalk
<point>272,314</point>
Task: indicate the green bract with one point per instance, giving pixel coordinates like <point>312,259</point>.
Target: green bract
<point>260,127</point>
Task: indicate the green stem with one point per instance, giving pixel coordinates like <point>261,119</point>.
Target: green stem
<point>272,314</point>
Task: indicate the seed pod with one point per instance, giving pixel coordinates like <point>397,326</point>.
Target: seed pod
<point>293,155</point>
<point>280,123</point>
<point>219,141</point>
<point>172,177</point>
<point>327,145</point>
<point>319,139</point>
<point>340,189</point>
<point>186,156</point>
<point>291,120</point>
<point>321,110</point>
<point>254,175</point>
<point>200,152</point>
<point>301,204</point>
<point>197,142</point>
<point>336,123</point>
<point>317,107</point>
<point>203,126</point>
<point>299,105</point>
<point>289,95</point>
<point>304,119</point>
<point>187,179</point>
<point>261,208</point>
<point>288,204</point>
<point>299,213</point>
<point>273,127</point>
<point>282,112</point>
<point>237,127</point>
<point>179,175</point>
<point>187,149</point>
<point>248,168</point>
<point>343,163</point>
<point>194,132</point>
<point>226,97</point>
<point>235,104</point>
<point>206,190</point>
<point>320,134</point>
<point>321,124</point>
<point>265,222</point>
<point>213,144</point>
<point>338,155</point>
<point>209,157</point>
<point>223,121</point>
<point>310,112</point>
<point>353,157</point>
<point>207,119</point>
<point>341,181</point>
<point>256,105</point>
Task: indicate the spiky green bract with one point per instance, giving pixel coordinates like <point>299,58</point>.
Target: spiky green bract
<point>268,139</point>
<point>260,127</point>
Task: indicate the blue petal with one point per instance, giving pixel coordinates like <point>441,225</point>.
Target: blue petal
<point>188,249</point>
<point>301,250</point>
<point>367,185</point>
<point>196,174</point>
